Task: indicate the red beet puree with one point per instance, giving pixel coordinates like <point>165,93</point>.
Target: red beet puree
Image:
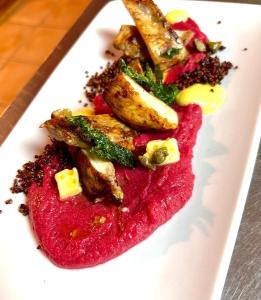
<point>77,233</point>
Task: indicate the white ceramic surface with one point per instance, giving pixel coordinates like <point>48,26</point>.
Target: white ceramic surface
<point>188,257</point>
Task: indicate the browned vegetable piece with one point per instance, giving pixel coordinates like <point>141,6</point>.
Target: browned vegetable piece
<point>138,108</point>
<point>97,175</point>
<point>130,42</point>
<point>116,131</point>
<point>136,66</point>
<point>163,44</point>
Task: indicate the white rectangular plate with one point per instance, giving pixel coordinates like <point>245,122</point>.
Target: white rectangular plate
<point>188,257</point>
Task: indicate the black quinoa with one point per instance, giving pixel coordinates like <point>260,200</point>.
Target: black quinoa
<point>110,53</point>
<point>97,83</point>
<point>210,70</point>
<point>8,201</point>
<point>23,209</point>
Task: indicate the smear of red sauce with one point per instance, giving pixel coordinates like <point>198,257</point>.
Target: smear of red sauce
<point>192,26</point>
<point>195,57</point>
<point>189,66</point>
<point>100,106</point>
<point>67,231</point>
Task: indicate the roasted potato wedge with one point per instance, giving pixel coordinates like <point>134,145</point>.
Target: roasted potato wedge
<point>138,108</point>
<point>97,175</point>
<point>157,33</point>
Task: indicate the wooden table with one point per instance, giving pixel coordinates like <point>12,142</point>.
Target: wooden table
<point>244,276</point>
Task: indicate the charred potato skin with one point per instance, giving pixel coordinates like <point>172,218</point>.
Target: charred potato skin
<point>125,103</point>
<point>156,32</point>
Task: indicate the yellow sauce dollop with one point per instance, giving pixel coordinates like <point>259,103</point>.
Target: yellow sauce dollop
<point>177,15</point>
<point>210,98</point>
<point>85,111</point>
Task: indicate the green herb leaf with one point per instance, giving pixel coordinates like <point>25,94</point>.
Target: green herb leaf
<point>165,92</point>
<point>102,147</point>
<point>171,52</point>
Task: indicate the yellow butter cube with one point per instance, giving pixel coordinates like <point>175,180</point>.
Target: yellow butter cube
<point>172,149</point>
<point>68,183</point>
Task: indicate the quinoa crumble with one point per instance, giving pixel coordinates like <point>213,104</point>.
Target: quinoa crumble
<point>9,201</point>
<point>210,70</point>
<point>97,83</point>
<point>32,172</point>
<point>23,209</point>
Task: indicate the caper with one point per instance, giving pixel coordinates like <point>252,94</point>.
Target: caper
<point>214,46</point>
<point>159,155</point>
<point>144,160</point>
<point>200,46</point>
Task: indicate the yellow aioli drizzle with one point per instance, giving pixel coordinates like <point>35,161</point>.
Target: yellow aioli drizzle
<point>210,98</point>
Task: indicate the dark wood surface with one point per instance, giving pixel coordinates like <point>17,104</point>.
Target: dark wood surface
<point>244,276</point>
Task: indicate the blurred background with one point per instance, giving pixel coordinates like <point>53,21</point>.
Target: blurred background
<point>29,31</point>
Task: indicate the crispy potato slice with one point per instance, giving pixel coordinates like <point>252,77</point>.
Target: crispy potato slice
<point>156,32</point>
<point>138,108</point>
